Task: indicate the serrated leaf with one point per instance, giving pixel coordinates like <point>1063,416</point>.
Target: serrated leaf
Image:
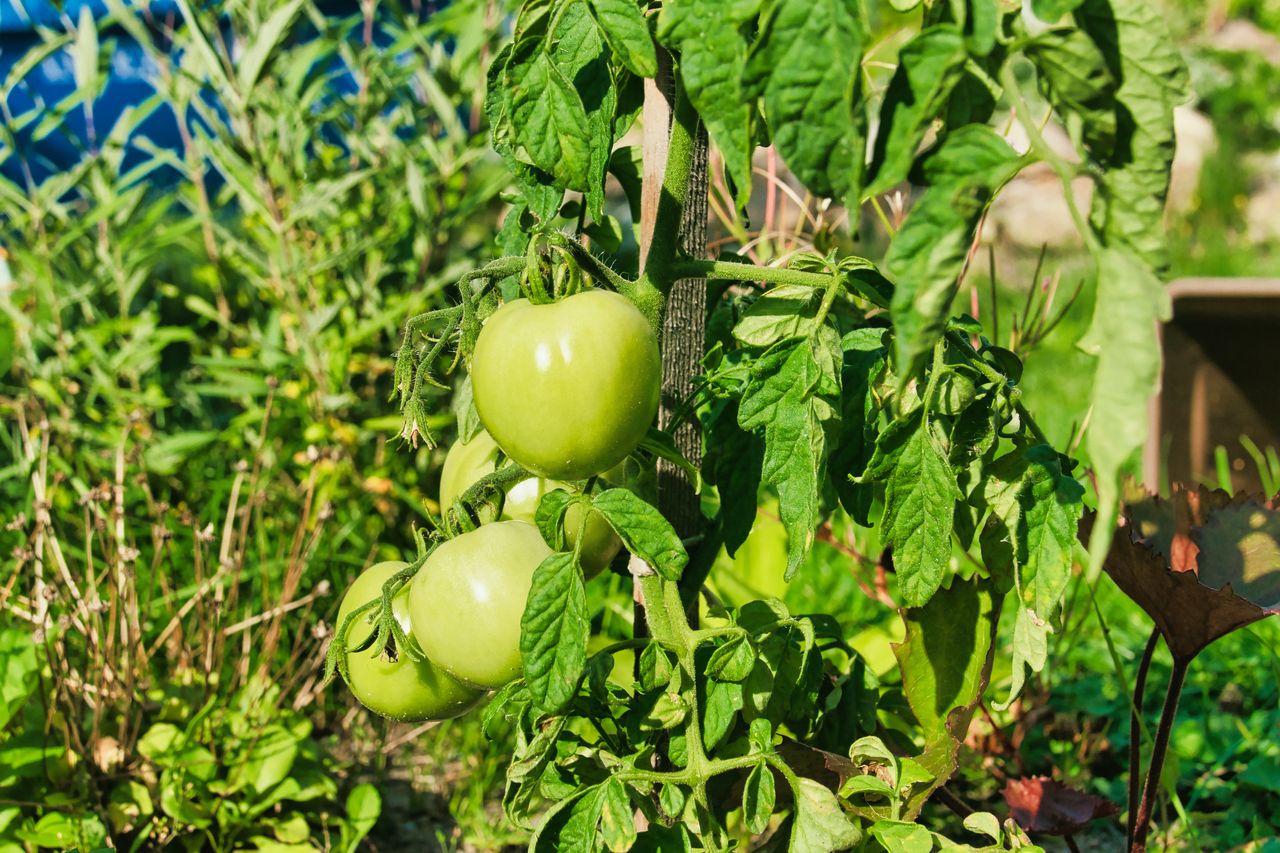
<point>901,836</point>
<point>627,33</point>
<point>820,824</point>
<point>713,56</point>
<point>1075,78</point>
<point>784,312</point>
<point>790,397</point>
<point>656,667</point>
<point>929,66</point>
<point>806,63</point>
<point>643,531</point>
<point>1030,648</point>
<point>1122,337</point>
<point>758,797</point>
<point>928,252</point>
<point>553,633</point>
<point>1134,40</point>
<point>920,497</point>
<point>547,116</point>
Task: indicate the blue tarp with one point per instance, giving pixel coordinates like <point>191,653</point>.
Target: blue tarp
<point>129,82</point>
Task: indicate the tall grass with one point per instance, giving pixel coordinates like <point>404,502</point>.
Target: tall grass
<point>196,451</point>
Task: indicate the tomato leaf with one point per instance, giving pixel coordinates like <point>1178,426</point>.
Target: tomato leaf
<point>820,822</point>
<point>617,818</point>
<point>1075,78</point>
<point>553,633</point>
<point>550,517</point>
<point>548,120</point>
<point>643,531</point>
<point>713,56</point>
<point>929,66</point>
<point>920,497</point>
<point>791,396</point>
<point>758,797</point>
<point>807,65</point>
<point>1135,43</point>
<point>928,252</point>
<point>627,33</point>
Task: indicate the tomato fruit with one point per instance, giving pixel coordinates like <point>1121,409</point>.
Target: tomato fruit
<point>567,389</point>
<point>467,462</point>
<point>466,601</point>
<point>401,689</point>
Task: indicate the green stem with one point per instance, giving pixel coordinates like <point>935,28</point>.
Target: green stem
<point>962,341</point>
<point>732,271</point>
<point>659,263</point>
<point>1065,170</point>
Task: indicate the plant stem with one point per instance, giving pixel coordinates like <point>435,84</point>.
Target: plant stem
<point>731,271</point>
<point>1065,171</point>
<point>1135,730</point>
<point>1159,749</point>
<point>659,261</point>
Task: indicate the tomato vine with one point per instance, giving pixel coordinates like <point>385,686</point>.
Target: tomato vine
<point>833,383</point>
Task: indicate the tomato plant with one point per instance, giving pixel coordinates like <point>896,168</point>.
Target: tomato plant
<point>468,461</point>
<point>385,677</point>
<point>567,389</point>
<point>833,384</point>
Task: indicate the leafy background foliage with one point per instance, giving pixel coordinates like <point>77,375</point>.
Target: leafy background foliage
<point>195,398</point>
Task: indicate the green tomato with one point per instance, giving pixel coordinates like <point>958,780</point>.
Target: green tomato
<point>401,689</point>
<point>467,462</point>
<point>567,389</point>
<point>467,599</point>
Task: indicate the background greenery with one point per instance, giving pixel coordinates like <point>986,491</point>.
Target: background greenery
<point>198,454</point>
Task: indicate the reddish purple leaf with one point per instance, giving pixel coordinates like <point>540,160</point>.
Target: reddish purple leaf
<point>1039,804</point>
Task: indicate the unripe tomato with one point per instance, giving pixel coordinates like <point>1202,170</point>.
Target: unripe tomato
<point>467,462</point>
<point>403,689</point>
<point>466,601</point>
<point>567,389</point>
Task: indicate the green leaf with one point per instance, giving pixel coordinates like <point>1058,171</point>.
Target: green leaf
<point>547,116</point>
<point>820,824</point>
<point>723,700</point>
<point>18,672</point>
<point>265,40</point>
<point>920,497</point>
<point>864,358</point>
<point>981,26</point>
<point>1130,302</point>
<point>1075,78</point>
<point>267,762</point>
<point>902,837</point>
<point>663,446</point>
<point>364,805</point>
<point>713,56</point>
<point>807,65</point>
<point>627,33</point>
<point>929,66</point>
<point>617,820</point>
<point>732,661</point>
<point>1030,648</point>
<point>928,253</point>
<point>945,660</point>
<point>1134,39</point>
<point>784,312</point>
<point>790,397</point>
<point>643,530</point>
<point>549,517</point>
<point>1052,11</point>
<point>553,633</point>
<point>758,797</point>
<point>164,456</point>
<point>85,55</point>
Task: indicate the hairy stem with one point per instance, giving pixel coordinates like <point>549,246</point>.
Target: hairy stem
<point>732,271</point>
